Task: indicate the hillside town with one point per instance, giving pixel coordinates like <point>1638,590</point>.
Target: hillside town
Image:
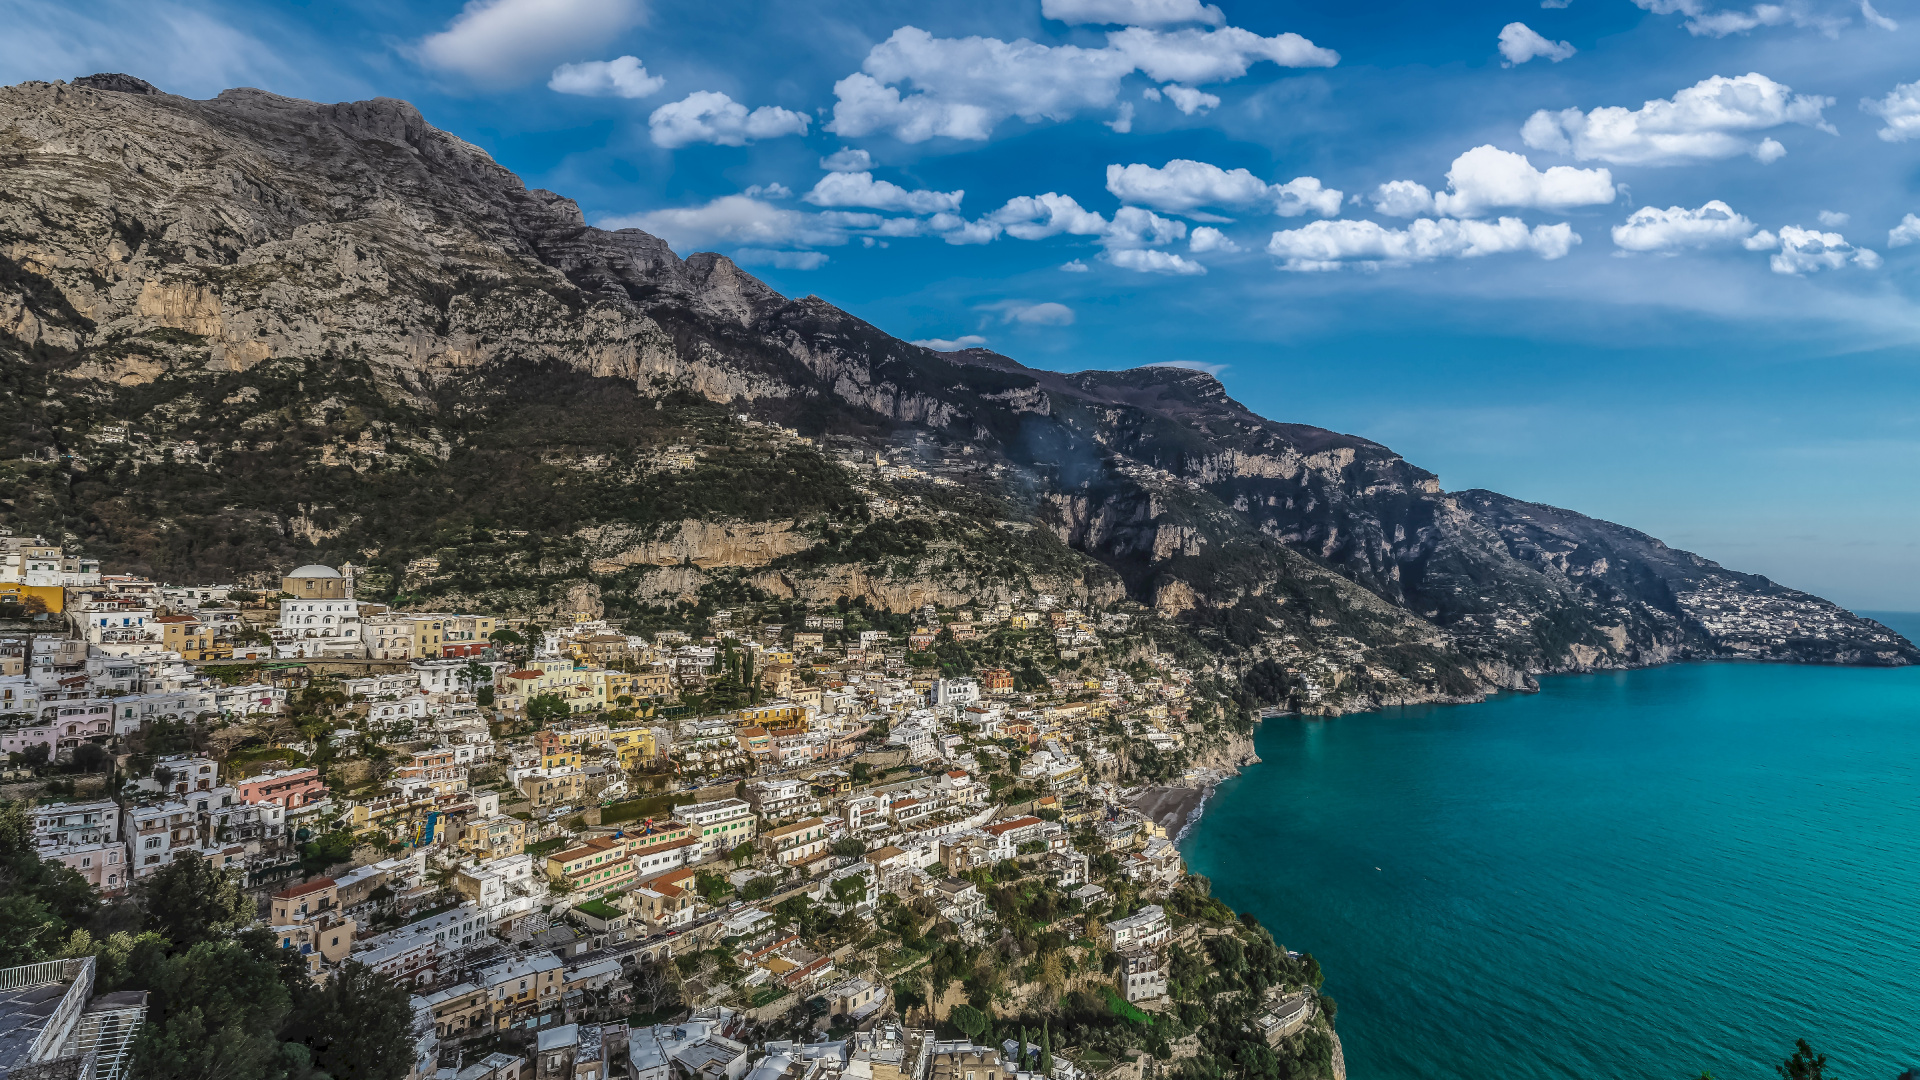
<point>776,851</point>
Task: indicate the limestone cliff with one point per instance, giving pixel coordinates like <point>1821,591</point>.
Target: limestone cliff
<point>255,331</point>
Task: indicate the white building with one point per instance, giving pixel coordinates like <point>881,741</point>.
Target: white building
<point>955,691</point>
<point>1145,929</point>
<point>721,825</point>
<point>331,625</point>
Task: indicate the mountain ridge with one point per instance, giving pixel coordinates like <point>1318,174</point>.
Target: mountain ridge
<point>342,304</point>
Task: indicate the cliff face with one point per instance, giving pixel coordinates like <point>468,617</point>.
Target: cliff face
<point>250,330</point>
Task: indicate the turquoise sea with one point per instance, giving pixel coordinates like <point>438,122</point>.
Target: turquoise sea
<point>1634,875</point>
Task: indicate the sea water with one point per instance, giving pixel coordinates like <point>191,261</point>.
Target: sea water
<point>1641,874</point>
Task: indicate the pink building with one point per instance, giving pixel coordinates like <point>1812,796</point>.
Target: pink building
<point>77,723</point>
<point>104,865</point>
<point>290,788</point>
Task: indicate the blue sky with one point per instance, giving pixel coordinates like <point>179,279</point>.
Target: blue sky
<point>1649,259</point>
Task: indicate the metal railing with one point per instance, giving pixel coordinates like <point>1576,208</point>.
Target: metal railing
<point>46,971</point>
<point>108,1035</point>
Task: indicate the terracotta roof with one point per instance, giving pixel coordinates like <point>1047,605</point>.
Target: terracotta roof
<point>301,890</point>
<point>1005,827</point>
<point>523,673</point>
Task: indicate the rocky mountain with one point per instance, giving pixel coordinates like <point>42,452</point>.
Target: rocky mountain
<point>248,332</point>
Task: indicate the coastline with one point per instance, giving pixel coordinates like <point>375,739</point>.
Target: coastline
<point>1603,728</point>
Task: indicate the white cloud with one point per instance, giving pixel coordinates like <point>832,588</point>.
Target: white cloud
<point>770,191</point>
<point>1714,224</point>
<point>1556,4</point>
<point>781,260</point>
<point>861,189</point>
<point>1134,227</point>
<point>1519,44</point>
<point>708,116</point>
<point>1907,232</point>
<point>964,341</point>
<point>504,42</point>
<point>1183,186</point>
<point>1303,193</point>
<point>1900,109</point>
<point>1132,12</point>
<point>1704,122</point>
<point>1827,16</point>
<point>1806,251</point>
<point>1833,219</point>
<point>847,160</point>
<point>1190,101</point>
<point>1151,261</point>
<point>1874,18</point>
<point>1205,239</point>
<point>740,219</point>
<point>1402,198</point>
<point>1761,241</point>
<point>1486,177</point>
<point>1036,217</point>
<point>1122,121</point>
<point>1075,266</point>
<point>1046,313</point>
<point>1210,56</point>
<point>622,77</point>
<point>962,87</point>
<point>1328,245</point>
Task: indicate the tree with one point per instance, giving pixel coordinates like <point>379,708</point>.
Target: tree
<point>1046,1049</point>
<point>356,1024</point>
<point>542,708</point>
<point>39,900</point>
<point>213,1011</point>
<point>849,847</point>
<point>1053,974</point>
<point>968,1019</point>
<point>741,854</point>
<point>29,930</point>
<point>189,901</point>
<point>507,638</point>
<point>848,890</point>
<point>653,987</point>
<point>1804,1064</point>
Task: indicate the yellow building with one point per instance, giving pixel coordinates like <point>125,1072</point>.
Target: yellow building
<point>556,752</point>
<point>558,789</point>
<point>495,837</point>
<point>596,868</point>
<point>191,638</point>
<point>775,714</point>
<point>52,598</point>
<point>635,745</point>
<point>583,689</point>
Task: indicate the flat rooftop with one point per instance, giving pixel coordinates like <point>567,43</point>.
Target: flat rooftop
<point>30,996</point>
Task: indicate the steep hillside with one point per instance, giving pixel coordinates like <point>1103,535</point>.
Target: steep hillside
<point>248,332</point>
